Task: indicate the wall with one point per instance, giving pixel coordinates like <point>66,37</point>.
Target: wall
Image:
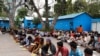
<point>28,24</point>
<point>4,23</point>
<point>96,26</point>
<point>63,24</point>
<point>84,20</point>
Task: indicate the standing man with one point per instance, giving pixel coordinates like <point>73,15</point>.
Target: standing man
<point>64,51</point>
<point>80,29</point>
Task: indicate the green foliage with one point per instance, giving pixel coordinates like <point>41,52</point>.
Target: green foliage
<point>69,7</point>
<point>2,12</point>
<point>60,7</point>
<point>1,5</point>
<point>22,12</point>
<point>80,6</point>
<point>17,22</point>
<point>95,12</point>
<point>36,21</point>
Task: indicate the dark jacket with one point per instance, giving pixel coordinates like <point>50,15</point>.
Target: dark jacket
<point>45,50</point>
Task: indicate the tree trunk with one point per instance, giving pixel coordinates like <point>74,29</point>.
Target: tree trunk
<point>47,21</point>
<point>11,11</point>
<point>43,24</point>
<point>11,21</point>
<point>54,22</point>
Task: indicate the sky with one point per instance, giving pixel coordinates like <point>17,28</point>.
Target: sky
<point>41,3</point>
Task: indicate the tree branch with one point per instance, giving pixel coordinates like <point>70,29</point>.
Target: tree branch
<point>34,6</point>
<point>44,5</point>
<point>20,3</point>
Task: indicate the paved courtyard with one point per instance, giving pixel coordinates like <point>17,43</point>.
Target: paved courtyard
<point>8,47</point>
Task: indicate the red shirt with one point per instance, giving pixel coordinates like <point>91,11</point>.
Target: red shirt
<point>37,39</point>
<point>72,34</point>
<point>64,51</point>
<point>99,39</point>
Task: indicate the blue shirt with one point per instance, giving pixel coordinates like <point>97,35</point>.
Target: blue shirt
<point>76,53</point>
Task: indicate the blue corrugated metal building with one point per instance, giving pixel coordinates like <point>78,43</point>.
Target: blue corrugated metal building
<point>72,21</point>
<point>66,22</point>
<point>4,23</point>
<point>95,20</point>
<point>28,22</point>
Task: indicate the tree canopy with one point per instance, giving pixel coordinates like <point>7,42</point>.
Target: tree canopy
<point>22,12</point>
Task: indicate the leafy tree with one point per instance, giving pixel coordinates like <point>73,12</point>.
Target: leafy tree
<point>60,7</point>
<point>80,5</point>
<point>1,5</point>
<point>22,12</point>
<point>10,7</point>
<point>17,22</point>
<point>69,7</point>
<point>2,12</point>
<point>95,12</point>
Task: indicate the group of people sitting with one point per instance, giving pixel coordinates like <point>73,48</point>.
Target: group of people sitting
<point>85,39</point>
<point>37,45</point>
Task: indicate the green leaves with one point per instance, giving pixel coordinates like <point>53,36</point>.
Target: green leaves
<point>22,12</point>
<point>2,12</point>
<point>60,7</point>
<point>95,12</point>
<point>17,22</point>
<point>80,5</point>
<point>1,5</point>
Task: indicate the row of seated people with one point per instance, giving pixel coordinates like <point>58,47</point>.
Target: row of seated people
<point>86,39</point>
<point>37,46</point>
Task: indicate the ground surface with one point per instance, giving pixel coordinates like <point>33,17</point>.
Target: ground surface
<point>8,47</point>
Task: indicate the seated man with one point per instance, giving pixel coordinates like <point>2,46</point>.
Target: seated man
<point>37,47</point>
<point>37,37</point>
<point>64,51</point>
<point>48,49</point>
<point>35,42</point>
<point>88,52</point>
<point>74,50</point>
<point>92,42</point>
<point>28,41</point>
<point>22,39</point>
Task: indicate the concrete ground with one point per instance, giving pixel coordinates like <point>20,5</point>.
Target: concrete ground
<point>8,47</point>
